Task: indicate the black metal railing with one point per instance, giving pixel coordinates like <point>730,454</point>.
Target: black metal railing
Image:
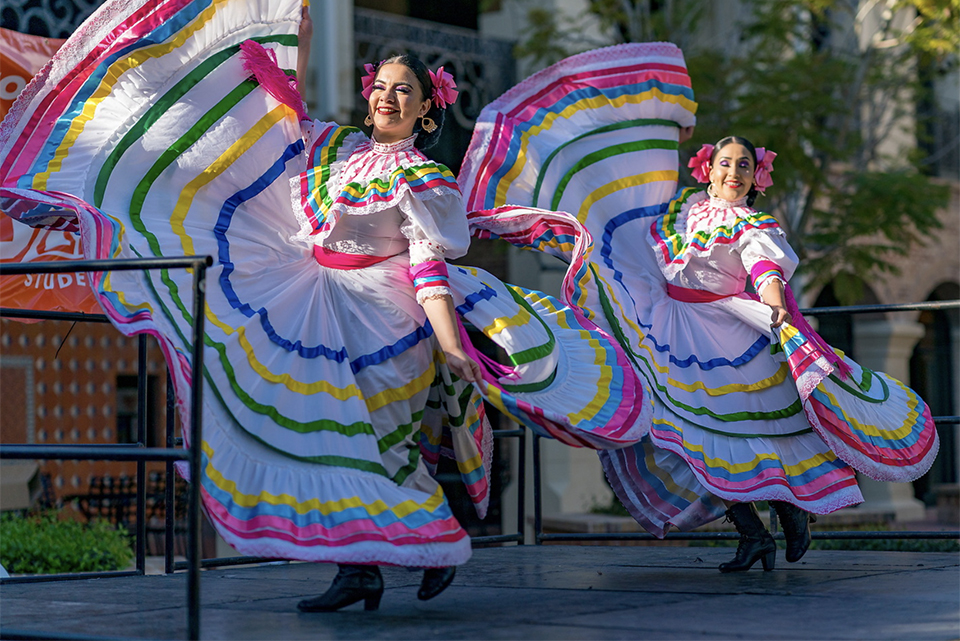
<point>139,452</point>
<point>540,536</point>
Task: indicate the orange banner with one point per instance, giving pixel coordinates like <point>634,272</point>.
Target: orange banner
<point>21,56</point>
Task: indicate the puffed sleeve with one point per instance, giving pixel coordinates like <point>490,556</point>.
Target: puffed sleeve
<point>436,228</point>
<point>766,256</point>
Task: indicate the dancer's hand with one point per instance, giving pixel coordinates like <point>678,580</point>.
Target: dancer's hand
<point>779,316</point>
<point>304,36</point>
<point>463,366</point>
<point>306,24</point>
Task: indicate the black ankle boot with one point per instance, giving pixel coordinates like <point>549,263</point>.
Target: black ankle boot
<point>435,581</point>
<point>796,528</point>
<point>352,583</point>
<point>755,541</point>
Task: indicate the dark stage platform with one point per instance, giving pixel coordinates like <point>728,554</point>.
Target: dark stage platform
<point>529,593</point>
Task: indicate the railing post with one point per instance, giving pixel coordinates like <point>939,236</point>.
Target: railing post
<point>141,464</point>
<point>196,448</point>
<point>169,512</point>
<point>537,498</point>
<point>522,491</point>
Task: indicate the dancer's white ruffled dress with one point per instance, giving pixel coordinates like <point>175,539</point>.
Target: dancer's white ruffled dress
<point>738,411</point>
<point>326,399</point>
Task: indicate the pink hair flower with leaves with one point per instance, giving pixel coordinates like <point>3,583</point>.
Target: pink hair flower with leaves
<point>700,164</point>
<point>366,81</point>
<point>761,177</point>
<point>444,88</point>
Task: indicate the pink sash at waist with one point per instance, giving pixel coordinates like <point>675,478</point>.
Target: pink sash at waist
<point>686,295</point>
<point>339,260</point>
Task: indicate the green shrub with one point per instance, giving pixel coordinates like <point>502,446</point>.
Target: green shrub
<point>43,544</point>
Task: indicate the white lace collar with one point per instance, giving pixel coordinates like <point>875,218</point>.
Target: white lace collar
<point>392,147</point>
<point>721,203</point>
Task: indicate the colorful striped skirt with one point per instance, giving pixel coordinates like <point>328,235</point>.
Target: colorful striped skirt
<point>327,402</point>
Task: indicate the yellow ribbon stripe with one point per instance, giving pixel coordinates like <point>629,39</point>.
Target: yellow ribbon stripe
<point>623,183</point>
<point>470,464</point>
<point>216,168</point>
<point>666,479</point>
<point>403,393</point>
<point>796,469</point>
<point>872,430</point>
<point>374,508</point>
<point>781,375</point>
<point>501,323</point>
<point>606,372</point>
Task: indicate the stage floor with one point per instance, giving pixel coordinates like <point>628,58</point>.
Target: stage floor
<point>550,592</point>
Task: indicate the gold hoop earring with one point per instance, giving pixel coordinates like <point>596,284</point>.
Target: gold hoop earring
<point>368,121</point>
<point>428,125</point>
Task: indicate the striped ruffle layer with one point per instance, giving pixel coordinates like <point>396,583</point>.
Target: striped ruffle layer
<point>377,181</point>
<point>674,244</point>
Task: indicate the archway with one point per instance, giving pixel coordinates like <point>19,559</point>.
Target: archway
<point>933,374</point>
<point>837,329</point>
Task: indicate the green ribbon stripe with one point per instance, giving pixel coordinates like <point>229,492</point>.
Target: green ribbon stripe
<point>603,154</point>
<point>626,124</point>
<point>171,97</point>
<point>397,436</point>
<point>865,384</point>
<point>322,190</point>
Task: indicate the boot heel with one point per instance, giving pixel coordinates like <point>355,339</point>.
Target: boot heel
<point>756,544</point>
<point>769,560</point>
<point>352,584</point>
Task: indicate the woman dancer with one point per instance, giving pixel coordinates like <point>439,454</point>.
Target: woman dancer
<point>336,374</point>
<point>748,402</point>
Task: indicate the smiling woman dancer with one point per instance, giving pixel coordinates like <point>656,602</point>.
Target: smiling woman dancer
<point>336,366</point>
<point>748,402</point>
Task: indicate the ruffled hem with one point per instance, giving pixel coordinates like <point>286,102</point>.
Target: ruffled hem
<point>658,489</point>
<point>430,555</point>
<point>527,142</point>
<point>431,292</point>
<point>831,499</point>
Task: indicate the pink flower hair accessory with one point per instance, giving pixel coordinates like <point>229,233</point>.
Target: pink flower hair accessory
<point>700,164</point>
<point>444,88</point>
<point>761,176</point>
<point>367,80</point>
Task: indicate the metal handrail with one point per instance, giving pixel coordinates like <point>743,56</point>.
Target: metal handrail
<point>870,309</point>
<point>141,454</point>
